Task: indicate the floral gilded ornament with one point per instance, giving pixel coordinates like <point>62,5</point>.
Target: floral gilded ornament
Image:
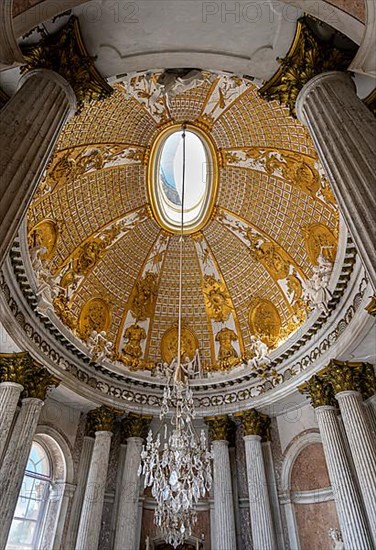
<point>217,299</point>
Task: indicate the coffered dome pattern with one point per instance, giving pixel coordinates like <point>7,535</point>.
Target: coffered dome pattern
<point>118,269</point>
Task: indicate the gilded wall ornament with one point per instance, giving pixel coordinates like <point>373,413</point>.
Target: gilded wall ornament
<point>95,316</point>
<point>44,234</point>
<point>144,296</point>
<point>169,344</point>
<point>227,355</point>
<point>319,239</point>
<point>65,53</point>
<point>217,299</point>
<point>308,57</point>
<point>63,310</point>
<point>271,255</point>
<point>132,350</point>
<point>265,321</point>
<point>371,307</point>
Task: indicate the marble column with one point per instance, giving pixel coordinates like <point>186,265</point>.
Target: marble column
<point>224,516</point>
<point>30,124</point>
<point>92,506</point>
<point>135,429</point>
<point>14,462</point>
<point>9,395</point>
<point>9,50</point>
<point>255,427</point>
<point>343,130</point>
<point>362,446</point>
<point>349,509</point>
<point>127,519</point>
<point>79,493</point>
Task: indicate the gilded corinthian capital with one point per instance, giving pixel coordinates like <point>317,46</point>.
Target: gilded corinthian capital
<point>220,427</point>
<point>135,425</point>
<point>319,391</point>
<point>23,369</point>
<point>100,420</point>
<point>64,52</point>
<point>255,423</point>
<point>348,375</point>
<point>308,57</point>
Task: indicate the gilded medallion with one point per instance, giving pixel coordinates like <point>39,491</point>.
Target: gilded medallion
<point>319,238</point>
<point>169,344</point>
<point>265,321</point>
<point>95,315</point>
<point>45,234</point>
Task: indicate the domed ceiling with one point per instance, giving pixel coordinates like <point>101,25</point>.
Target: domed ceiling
<point>117,266</point>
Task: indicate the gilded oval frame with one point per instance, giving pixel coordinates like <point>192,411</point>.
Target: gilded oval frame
<point>153,173</point>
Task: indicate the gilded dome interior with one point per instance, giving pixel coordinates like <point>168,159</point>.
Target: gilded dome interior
<point>117,266</point>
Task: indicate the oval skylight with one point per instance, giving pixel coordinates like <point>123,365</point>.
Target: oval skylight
<point>166,184</point>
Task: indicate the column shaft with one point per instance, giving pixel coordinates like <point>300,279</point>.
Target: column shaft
<point>30,124</point>
<point>15,461</point>
<point>9,396</point>
<point>223,499</point>
<point>78,498</point>
<point>9,50</point>
<point>350,514</point>
<point>91,514</point>
<point>362,448</point>
<point>261,517</point>
<point>127,518</point>
<point>344,133</point>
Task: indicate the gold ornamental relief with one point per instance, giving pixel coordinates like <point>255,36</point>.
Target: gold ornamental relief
<point>217,299</point>
<point>45,234</point>
<point>265,321</point>
<point>319,238</point>
<point>143,296</point>
<point>169,344</point>
<point>271,255</point>
<point>227,355</point>
<point>95,315</point>
<point>132,350</point>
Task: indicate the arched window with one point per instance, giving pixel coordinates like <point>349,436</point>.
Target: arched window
<point>35,518</point>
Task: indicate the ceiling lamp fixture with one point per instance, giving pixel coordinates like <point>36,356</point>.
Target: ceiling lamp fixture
<point>177,466</point>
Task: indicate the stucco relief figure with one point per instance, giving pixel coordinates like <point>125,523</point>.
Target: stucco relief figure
<point>227,355</point>
<point>48,290</point>
<point>315,290</point>
<point>100,347</point>
<point>36,257</point>
<point>178,81</point>
<point>336,537</point>
<point>260,354</point>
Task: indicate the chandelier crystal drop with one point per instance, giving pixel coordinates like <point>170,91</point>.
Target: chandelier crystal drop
<point>177,466</point>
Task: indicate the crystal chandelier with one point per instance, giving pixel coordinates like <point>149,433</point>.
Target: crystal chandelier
<point>177,466</point>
